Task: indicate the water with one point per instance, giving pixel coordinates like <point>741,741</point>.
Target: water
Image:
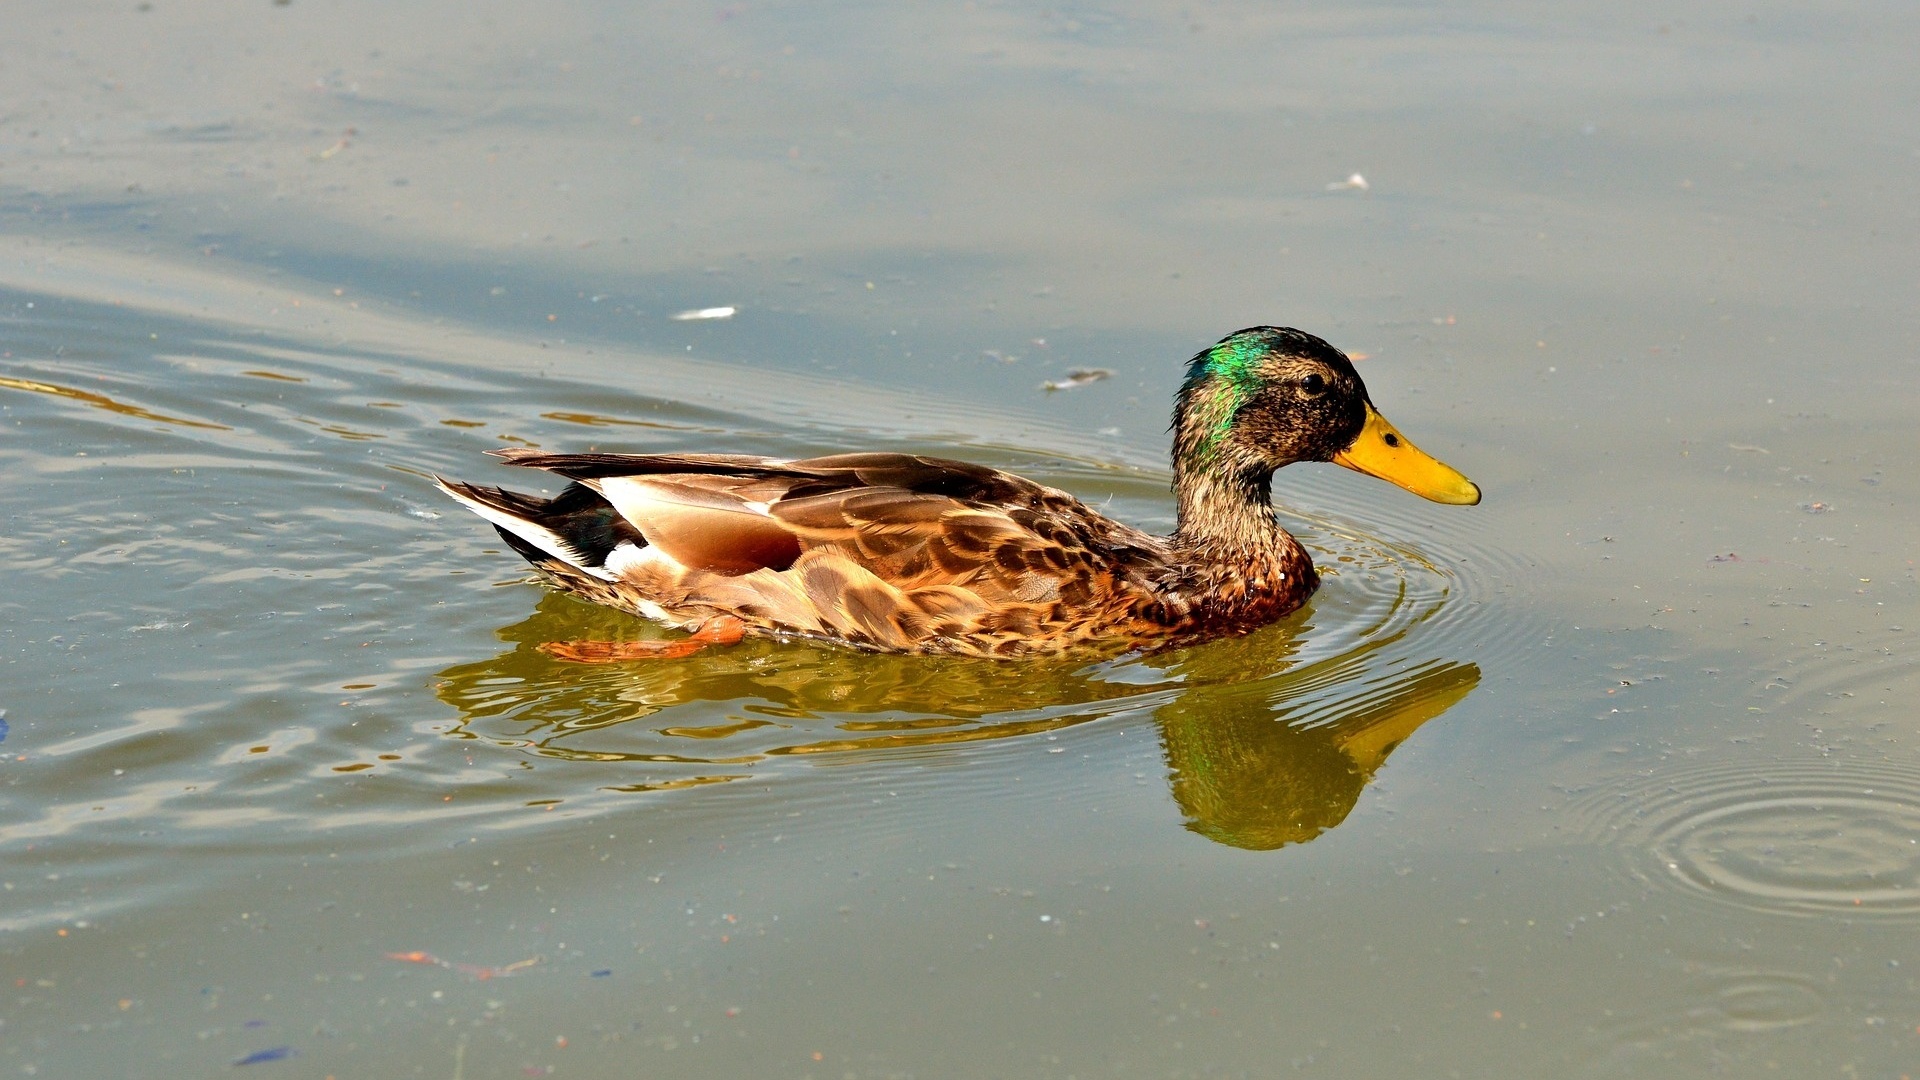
<point>1612,775</point>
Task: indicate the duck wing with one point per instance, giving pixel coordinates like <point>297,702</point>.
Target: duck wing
<point>887,549</point>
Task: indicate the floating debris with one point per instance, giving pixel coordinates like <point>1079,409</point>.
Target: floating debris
<point>1356,182</point>
<point>476,971</point>
<point>705,313</point>
<point>1746,448</point>
<point>1078,377</point>
<point>277,1053</point>
<point>345,140</point>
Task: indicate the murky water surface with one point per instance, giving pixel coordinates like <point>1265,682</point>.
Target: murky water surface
<point>1613,775</point>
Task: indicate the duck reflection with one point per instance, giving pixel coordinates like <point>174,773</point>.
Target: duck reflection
<point>1275,761</point>
<point>757,696</point>
<point>1265,747</point>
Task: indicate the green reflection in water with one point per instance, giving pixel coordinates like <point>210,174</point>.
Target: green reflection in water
<point>1268,741</point>
<point>1274,761</point>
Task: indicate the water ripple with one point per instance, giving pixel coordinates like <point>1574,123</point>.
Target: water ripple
<point>1704,1011</point>
<point>1796,839</point>
<point>1867,666</point>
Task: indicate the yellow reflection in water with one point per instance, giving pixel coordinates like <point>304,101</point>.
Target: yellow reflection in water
<point>587,419</point>
<point>102,401</point>
<point>1265,746</point>
<point>1259,765</point>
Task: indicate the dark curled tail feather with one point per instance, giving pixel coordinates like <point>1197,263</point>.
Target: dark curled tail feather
<point>526,507</point>
<point>584,523</point>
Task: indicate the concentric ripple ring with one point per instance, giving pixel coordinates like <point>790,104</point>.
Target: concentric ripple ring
<point>1811,839</point>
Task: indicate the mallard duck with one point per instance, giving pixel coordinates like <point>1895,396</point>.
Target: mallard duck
<point>912,554</point>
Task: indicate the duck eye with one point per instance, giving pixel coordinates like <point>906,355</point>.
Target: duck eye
<point>1313,384</point>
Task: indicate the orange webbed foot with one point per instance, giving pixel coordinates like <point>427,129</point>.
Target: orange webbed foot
<point>719,630</point>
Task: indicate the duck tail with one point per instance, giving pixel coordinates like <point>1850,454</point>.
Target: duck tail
<point>578,527</point>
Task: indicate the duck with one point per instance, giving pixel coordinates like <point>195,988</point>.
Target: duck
<point>906,553</point>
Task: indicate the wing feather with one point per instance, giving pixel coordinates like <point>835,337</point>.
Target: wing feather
<point>890,551</point>
<point>700,526</point>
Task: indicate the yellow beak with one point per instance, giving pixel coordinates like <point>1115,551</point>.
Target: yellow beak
<point>1383,452</point>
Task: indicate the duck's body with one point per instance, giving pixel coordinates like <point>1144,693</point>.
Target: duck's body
<point>901,553</point>
<point>882,551</point>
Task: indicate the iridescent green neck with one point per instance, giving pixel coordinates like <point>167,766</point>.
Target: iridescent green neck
<point>1222,485</point>
<point>1219,381</point>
